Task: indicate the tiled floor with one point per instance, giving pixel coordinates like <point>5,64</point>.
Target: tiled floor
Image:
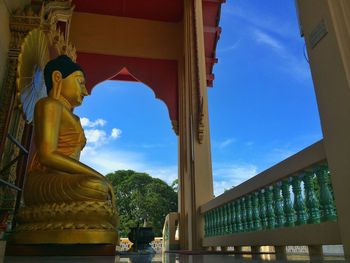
<point>171,258</point>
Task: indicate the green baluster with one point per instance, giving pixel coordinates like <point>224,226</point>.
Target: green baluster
<point>244,215</point>
<point>270,213</point>
<point>222,228</point>
<point>223,220</point>
<point>330,186</point>
<point>239,226</point>
<point>262,204</point>
<point>311,201</point>
<point>209,217</point>
<point>233,218</point>
<point>212,223</point>
<point>217,229</point>
<point>226,218</point>
<point>299,205</point>
<point>278,205</point>
<point>215,222</point>
<point>287,204</point>
<point>228,221</point>
<point>212,231</point>
<point>205,224</point>
<point>256,213</point>
<point>328,211</point>
<point>209,223</point>
<point>248,203</point>
<point>221,217</point>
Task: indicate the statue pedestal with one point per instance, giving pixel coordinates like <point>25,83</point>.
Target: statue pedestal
<point>60,250</point>
<point>64,237</point>
<point>83,223</point>
<point>62,243</point>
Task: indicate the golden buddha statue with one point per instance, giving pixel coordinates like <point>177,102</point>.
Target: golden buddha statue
<point>65,201</point>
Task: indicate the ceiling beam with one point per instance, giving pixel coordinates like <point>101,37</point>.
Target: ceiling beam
<point>124,36</point>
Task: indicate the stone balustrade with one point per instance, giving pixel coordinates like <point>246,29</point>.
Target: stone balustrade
<point>272,206</point>
<point>291,203</point>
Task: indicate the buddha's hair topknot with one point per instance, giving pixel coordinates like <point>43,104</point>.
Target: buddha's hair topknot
<point>63,64</point>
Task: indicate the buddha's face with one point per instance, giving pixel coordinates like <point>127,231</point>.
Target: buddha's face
<point>73,88</point>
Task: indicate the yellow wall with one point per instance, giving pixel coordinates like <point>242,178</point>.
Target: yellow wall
<point>124,36</point>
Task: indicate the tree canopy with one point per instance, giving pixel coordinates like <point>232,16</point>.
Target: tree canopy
<point>141,197</point>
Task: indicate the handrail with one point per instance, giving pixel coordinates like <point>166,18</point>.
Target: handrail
<point>309,156</point>
<point>278,206</point>
<point>23,151</point>
<point>10,185</point>
<point>18,144</point>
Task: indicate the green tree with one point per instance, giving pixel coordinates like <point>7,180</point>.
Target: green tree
<point>142,198</point>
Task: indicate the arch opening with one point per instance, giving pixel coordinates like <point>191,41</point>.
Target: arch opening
<point>159,74</point>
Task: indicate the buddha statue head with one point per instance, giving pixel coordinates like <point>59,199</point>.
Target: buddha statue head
<point>65,81</point>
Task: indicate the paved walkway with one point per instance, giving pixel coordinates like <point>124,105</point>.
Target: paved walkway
<point>172,258</point>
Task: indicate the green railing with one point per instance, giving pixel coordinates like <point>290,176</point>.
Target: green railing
<point>291,203</point>
<point>273,206</point>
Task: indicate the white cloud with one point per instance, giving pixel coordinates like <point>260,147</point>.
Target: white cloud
<point>226,143</point>
<point>289,63</point>
<point>264,38</point>
<point>221,144</point>
<point>153,145</point>
<point>85,122</point>
<point>271,30</point>
<point>166,173</point>
<point>116,133</point>
<point>268,22</point>
<point>99,156</point>
<point>229,48</point>
<point>95,136</point>
<point>106,160</point>
<point>227,175</point>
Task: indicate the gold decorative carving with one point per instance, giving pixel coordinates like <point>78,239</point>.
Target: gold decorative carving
<point>7,95</point>
<point>21,22</point>
<point>201,126</point>
<point>59,216</point>
<point>54,12</point>
<point>200,103</point>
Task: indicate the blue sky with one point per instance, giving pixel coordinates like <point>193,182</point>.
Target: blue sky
<point>262,107</point>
